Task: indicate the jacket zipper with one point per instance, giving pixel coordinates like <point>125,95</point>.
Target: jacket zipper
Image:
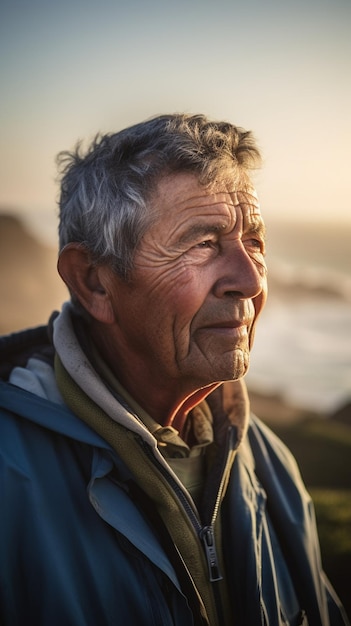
<point>205,533</point>
<point>208,540</point>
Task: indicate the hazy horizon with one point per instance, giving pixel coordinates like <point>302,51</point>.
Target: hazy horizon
<point>303,344</point>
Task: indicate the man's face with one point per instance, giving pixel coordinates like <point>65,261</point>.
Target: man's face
<point>187,315</point>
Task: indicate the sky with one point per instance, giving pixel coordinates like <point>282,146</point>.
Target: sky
<point>280,68</point>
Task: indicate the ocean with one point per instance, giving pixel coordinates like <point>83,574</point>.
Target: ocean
<point>302,348</point>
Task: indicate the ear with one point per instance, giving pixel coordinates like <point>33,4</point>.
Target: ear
<point>86,281</point>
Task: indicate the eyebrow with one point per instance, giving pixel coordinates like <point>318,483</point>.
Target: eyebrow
<point>258,229</point>
<point>197,231</point>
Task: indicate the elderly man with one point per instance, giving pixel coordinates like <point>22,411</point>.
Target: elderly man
<point>137,488</point>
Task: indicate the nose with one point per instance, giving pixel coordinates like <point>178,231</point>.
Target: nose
<point>239,275</point>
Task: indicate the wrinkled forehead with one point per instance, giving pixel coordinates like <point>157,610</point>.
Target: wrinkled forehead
<point>247,201</point>
<point>242,192</point>
<point>183,194</point>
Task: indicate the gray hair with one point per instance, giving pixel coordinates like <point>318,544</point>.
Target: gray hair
<point>105,192</point>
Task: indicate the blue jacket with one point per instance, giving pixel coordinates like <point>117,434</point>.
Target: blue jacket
<point>78,547</point>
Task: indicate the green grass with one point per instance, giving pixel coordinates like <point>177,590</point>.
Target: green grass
<point>333,513</point>
<point>322,449</point>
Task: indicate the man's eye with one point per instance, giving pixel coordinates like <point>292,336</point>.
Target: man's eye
<point>207,243</point>
<point>255,244</point>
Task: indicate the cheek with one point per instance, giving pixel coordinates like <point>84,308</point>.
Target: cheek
<point>181,308</point>
<point>180,289</point>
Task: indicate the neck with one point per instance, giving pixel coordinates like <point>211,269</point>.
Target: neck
<point>168,407</point>
<point>178,418</point>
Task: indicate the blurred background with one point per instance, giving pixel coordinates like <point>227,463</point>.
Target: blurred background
<point>279,68</point>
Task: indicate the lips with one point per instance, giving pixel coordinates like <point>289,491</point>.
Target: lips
<point>236,321</point>
<point>233,329</point>
<point>232,323</point>
<point>238,331</point>
<point>227,324</point>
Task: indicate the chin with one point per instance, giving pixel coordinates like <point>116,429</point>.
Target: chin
<point>238,365</point>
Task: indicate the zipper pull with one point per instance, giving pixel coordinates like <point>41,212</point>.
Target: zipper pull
<point>207,537</point>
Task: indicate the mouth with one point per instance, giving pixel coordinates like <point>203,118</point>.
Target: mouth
<point>236,330</point>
